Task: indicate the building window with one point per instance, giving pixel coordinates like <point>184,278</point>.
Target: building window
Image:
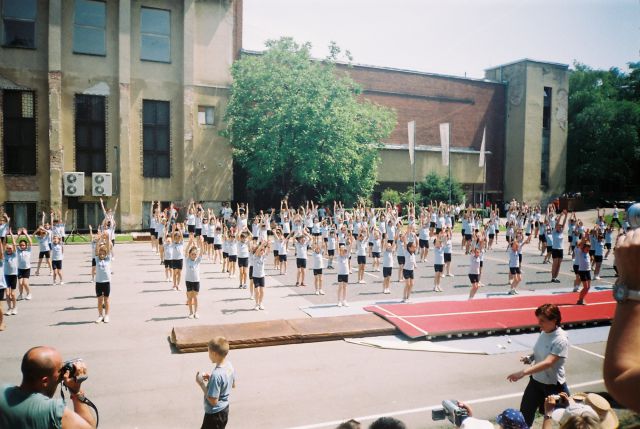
<point>206,115</point>
<point>89,24</point>
<point>155,35</point>
<point>88,214</point>
<point>19,136</point>
<point>23,215</point>
<point>155,140</point>
<point>546,139</point>
<point>19,19</point>
<point>90,134</point>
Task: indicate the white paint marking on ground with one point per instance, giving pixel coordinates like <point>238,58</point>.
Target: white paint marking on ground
<point>393,315</point>
<point>461,313</point>
<point>431,407</point>
<point>588,352</point>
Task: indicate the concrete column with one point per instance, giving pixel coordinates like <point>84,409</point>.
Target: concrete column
<point>56,152</point>
<point>129,200</point>
<point>191,164</point>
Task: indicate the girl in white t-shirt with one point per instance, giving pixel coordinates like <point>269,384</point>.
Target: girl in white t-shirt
<point>318,264</point>
<point>387,266</point>
<point>409,267</point>
<point>343,274</point>
<point>258,260</point>
<point>57,253</point>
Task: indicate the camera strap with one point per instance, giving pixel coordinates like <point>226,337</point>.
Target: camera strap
<point>84,400</point>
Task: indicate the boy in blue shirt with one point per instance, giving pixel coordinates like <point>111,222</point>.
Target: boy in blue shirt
<point>217,385</point>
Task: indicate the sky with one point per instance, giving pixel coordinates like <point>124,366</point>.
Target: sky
<point>454,37</point>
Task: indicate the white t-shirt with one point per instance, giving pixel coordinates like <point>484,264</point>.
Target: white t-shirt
<point>317,260</point>
<point>258,266</point>
<point>192,269</point>
<point>555,343</point>
<point>343,265</point>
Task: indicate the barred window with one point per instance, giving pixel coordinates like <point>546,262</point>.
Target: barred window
<point>156,157</point>
<point>19,134</point>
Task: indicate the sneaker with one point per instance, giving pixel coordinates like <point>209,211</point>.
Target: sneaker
<point>317,292</point>
<point>256,308</point>
<point>339,303</point>
<point>361,282</point>
<point>261,307</point>
<point>512,292</point>
<point>106,319</point>
<point>28,297</point>
<point>8,313</point>
<point>14,311</point>
<point>245,286</point>
<point>195,315</point>
<point>581,302</point>
<point>450,275</point>
<point>100,319</point>
<point>20,297</point>
<point>576,288</point>
<point>597,278</point>
<point>61,283</point>
<point>345,303</point>
<point>190,316</point>
<point>321,292</point>
<point>240,287</point>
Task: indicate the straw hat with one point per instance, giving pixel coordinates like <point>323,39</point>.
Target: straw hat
<point>608,417</point>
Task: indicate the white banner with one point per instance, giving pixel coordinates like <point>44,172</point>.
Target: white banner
<point>482,149</point>
<point>412,140</point>
<point>444,142</point>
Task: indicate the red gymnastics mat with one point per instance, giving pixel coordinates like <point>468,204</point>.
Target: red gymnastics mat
<point>431,319</point>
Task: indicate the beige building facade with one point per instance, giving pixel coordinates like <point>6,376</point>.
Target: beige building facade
<point>536,128</point>
<point>135,88</point>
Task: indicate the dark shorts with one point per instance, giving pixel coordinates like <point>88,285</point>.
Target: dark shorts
<point>607,246</point>
<point>438,268</point>
<point>386,271</point>
<point>447,257</point>
<point>209,240</point>
<point>520,258</point>
<point>56,265</point>
<point>557,253</point>
<point>432,224</point>
<point>2,294</point>
<point>407,274</point>
<point>597,258</point>
<point>217,246</point>
<point>570,239</point>
<point>549,249</point>
<point>424,244</point>
<point>258,281</point>
<point>176,264</point>
<point>193,286</point>
<point>438,230</point>
<point>103,289</point>
<point>537,224</point>
<point>301,263</point>
<point>401,260</point>
<point>216,421</point>
<point>243,262</point>
<point>233,258</point>
<point>491,236</point>
<point>282,258</point>
<point>343,278</point>
<point>167,263</point>
<point>326,239</point>
<point>225,255</point>
<point>362,260</point>
<point>542,238</point>
<point>93,262</point>
<point>390,241</point>
<point>198,232</point>
<point>375,255</point>
<point>514,270</point>
<point>317,272</point>
<point>315,234</point>
<point>191,228</point>
<point>275,253</point>
<point>370,244</point>
<point>11,280</point>
<point>159,241</point>
<point>592,253</point>
<point>585,275</point>
<point>474,278</point>
<point>468,237</point>
<point>46,254</point>
<point>331,252</point>
<point>576,269</point>
<point>24,273</point>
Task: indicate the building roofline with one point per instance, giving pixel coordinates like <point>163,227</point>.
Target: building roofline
<point>529,60</point>
<point>398,70</point>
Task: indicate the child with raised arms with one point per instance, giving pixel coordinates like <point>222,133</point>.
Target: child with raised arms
<point>387,266</point>
<point>259,257</point>
<point>318,264</point>
<point>192,277</point>
<point>57,254</point>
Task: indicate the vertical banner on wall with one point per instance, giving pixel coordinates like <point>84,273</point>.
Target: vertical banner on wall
<point>482,149</point>
<point>444,142</point>
<point>412,140</point>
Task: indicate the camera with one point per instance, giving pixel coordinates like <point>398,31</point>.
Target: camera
<point>70,366</point>
<point>450,410</point>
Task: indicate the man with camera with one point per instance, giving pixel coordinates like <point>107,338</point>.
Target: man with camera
<point>31,405</point>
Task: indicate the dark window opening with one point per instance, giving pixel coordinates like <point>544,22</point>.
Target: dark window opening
<point>19,134</point>
<point>19,23</point>
<point>90,134</point>
<point>155,140</point>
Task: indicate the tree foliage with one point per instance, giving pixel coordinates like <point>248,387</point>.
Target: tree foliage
<point>436,188</point>
<point>298,127</point>
<point>390,195</point>
<point>604,130</point>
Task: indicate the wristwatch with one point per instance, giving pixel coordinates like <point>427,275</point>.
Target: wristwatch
<point>621,293</point>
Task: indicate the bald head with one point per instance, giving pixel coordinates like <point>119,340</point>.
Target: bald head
<point>40,368</point>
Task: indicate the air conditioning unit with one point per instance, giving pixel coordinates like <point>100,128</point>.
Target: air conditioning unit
<point>101,184</point>
<point>73,184</point>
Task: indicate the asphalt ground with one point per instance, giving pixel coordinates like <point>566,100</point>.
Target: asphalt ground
<point>138,381</point>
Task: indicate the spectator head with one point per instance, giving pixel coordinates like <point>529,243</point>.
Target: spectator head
<point>218,347</point>
<point>387,423</point>
<point>594,412</point>
<point>349,424</point>
<point>511,419</point>
<point>41,370</point>
<point>550,312</point>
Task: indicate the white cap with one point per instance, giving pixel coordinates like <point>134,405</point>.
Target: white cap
<point>473,423</point>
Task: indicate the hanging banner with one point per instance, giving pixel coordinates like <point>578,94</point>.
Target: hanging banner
<point>412,140</point>
<point>482,148</point>
<point>444,142</point>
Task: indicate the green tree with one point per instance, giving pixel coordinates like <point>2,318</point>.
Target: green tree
<point>436,188</point>
<point>298,127</point>
<point>390,195</point>
<point>604,130</point>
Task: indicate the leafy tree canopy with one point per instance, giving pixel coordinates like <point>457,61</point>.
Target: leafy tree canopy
<point>298,127</point>
<point>604,130</point>
<point>436,188</point>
